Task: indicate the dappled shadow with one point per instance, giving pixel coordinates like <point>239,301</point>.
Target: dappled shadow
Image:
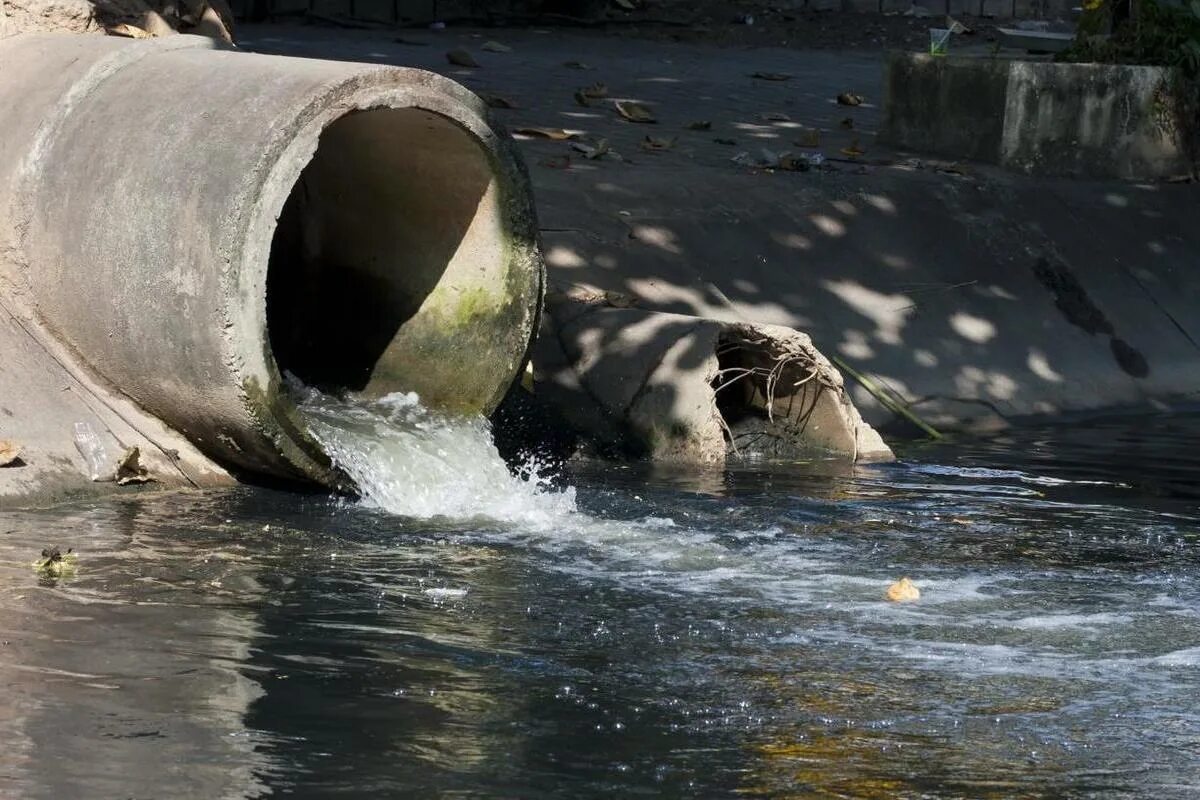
<point>927,279</point>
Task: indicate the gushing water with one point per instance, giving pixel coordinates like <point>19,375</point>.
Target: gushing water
<point>409,461</point>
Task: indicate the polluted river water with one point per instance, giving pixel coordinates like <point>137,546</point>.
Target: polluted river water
<point>621,630</point>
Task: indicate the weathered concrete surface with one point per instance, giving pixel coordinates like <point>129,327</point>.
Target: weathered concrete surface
<point>683,389</point>
<point>979,297</point>
<point>1078,120</point>
<point>187,224</point>
<point>210,18</point>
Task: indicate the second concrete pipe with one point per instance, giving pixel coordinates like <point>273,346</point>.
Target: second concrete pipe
<point>195,223</point>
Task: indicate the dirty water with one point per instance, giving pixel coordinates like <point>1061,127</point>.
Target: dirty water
<point>623,631</point>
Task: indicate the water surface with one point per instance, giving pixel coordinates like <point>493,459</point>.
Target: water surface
<point>644,633</point>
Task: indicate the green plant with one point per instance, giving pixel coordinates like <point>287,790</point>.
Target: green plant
<point>1161,35</point>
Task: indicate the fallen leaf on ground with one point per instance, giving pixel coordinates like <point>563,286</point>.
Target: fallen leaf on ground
<point>954,26</point>
<point>655,143</point>
<point>850,99</point>
<point>497,101</point>
<point>129,31</point>
<point>854,150</point>
<point>557,134</point>
<point>575,65</point>
<point>847,124</point>
<point>129,470</point>
<point>634,111</point>
<point>585,95</point>
<point>809,137</point>
<point>592,152</point>
<point>726,141</point>
<point>10,453</point>
<point>903,591</point>
<point>774,116</point>
<point>495,47</point>
<point>461,58</point>
<point>699,125</point>
<point>618,300</point>
<point>771,76</point>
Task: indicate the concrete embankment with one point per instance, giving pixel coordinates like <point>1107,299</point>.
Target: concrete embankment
<point>977,296</point>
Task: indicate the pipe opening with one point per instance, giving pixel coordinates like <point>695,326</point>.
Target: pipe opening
<point>769,396</point>
<point>393,219</point>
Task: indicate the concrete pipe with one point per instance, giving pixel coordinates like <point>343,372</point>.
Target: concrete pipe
<point>194,223</point>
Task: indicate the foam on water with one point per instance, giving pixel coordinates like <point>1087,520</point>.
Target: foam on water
<point>408,461</point>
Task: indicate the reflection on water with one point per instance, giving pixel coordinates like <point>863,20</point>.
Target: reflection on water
<point>680,634</point>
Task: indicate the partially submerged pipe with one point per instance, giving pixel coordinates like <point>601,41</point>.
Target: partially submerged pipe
<point>195,223</point>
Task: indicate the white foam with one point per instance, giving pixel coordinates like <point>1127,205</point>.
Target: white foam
<point>410,462</point>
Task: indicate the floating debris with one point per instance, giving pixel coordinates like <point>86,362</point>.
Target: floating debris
<point>903,591</point>
<point>495,47</point>
<point>56,564</point>
<point>10,453</point>
<point>850,99</point>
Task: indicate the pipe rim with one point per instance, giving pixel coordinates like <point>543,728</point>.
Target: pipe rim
<point>266,397</point>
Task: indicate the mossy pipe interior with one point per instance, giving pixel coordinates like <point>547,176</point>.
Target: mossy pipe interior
<point>195,223</point>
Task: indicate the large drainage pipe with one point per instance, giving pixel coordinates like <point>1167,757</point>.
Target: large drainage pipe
<point>195,223</point>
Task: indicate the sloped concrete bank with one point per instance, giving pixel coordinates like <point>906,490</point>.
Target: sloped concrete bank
<point>973,296</point>
<point>182,225</point>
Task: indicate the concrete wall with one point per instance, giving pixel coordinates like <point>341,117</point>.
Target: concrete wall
<point>1077,120</point>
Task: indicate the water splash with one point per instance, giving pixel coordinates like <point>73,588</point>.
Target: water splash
<point>409,461</point>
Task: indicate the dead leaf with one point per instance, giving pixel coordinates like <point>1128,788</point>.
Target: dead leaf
<point>459,57</point>
<point>10,453</point>
<point>854,150</point>
<point>772,76</point>
<point>618,300</point>
<point>774,116</point>
<point>657,144</point>
<point>850,99</point>
<point>809,137</point>
<point>585,95</point>
<point>729,142</point>
<point>597,91</point>
<point>847,124</point>
<point>129,31</point>
<point>495,47</point>
<point>557,134</point>
<point>591,152</point>
<point>903,591</point>
<point>576,65</point>
<point>129,470</point>
<point>954,26</point>
<point>634,111</point>
<point>498,101</point>
<point>699,125</point>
